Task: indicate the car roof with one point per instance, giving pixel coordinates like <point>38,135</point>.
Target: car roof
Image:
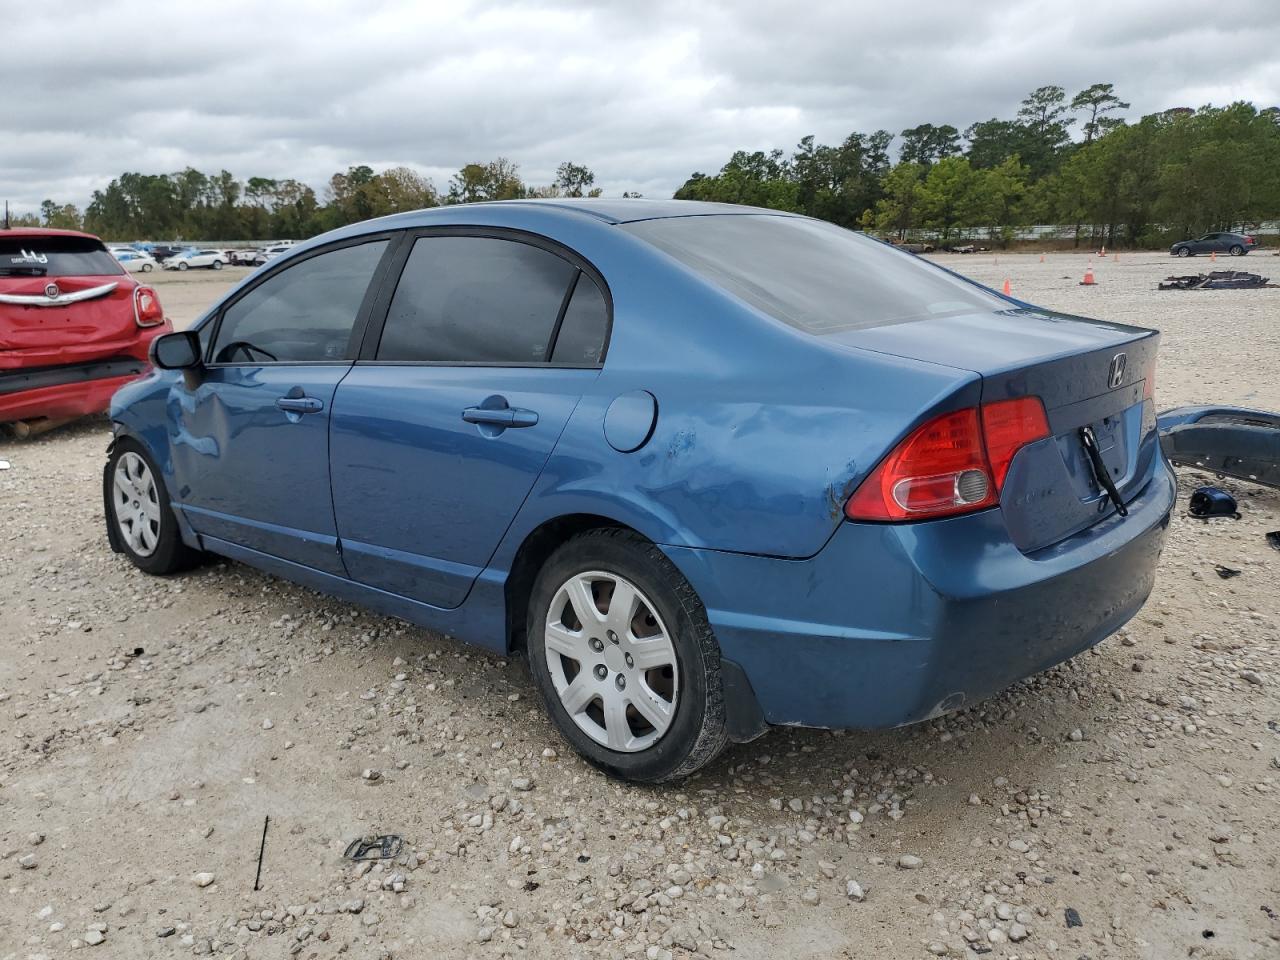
<point>45,232</point>
<point>629,210</point>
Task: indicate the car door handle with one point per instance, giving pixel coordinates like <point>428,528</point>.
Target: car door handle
<point>501,417</point>
<point>300,404</point>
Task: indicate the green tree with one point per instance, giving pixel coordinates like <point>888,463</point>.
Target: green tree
<point>1094,102</point>
<point>928,144</point>
<point>496,180</point>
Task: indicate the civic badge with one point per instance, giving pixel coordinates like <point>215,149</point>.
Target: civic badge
<point>51,291</point>
<point>1115,375</point>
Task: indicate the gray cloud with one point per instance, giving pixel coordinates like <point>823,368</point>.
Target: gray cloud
<point>643,93</point>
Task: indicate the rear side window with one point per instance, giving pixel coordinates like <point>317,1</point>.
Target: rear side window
<point>55,257</point>
<point>475,300</point>
<point>303,313</point>
<point>585,326</point>
<point>811,275</point>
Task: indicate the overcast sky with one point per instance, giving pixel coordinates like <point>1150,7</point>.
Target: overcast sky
<point>642,92</point>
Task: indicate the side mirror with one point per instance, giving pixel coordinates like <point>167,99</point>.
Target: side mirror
<point>176,351</point>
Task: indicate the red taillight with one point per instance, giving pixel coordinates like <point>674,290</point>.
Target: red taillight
<point>1008,426</point>
<point>146,307</point>
<point>953,464</point>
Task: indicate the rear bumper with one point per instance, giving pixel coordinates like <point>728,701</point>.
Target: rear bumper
<point>72,380</point>
<point>894,624</point>
<point>75,399</point>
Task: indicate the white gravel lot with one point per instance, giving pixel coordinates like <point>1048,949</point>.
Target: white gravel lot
<point>149,725</point>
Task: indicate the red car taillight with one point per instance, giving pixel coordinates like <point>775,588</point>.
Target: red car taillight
<point>953,464</point>
<point>146,307</point>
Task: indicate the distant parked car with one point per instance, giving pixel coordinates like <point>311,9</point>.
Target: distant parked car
<point>242,258</point>
<point>135,261</point>
<point>74,327</point>
<point>710,467</point>
<point>270,253</point>
<point>1236,244</point>
<point>193,259</point>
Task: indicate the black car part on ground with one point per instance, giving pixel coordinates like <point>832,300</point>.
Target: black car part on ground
<point>1233,441</point>
<point>1217,280</point>
<point>1209,502</point>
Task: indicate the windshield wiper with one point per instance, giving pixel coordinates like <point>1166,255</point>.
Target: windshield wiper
<point>24,271</point>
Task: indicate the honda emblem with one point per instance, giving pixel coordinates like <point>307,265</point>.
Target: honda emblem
<point>1115,375</point>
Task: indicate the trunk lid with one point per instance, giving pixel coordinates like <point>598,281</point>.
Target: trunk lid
<point>1088,373</point>
<point>35,317</point>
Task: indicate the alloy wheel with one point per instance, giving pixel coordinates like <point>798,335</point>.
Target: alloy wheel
<point>612,661</point>
<point>137,504</point>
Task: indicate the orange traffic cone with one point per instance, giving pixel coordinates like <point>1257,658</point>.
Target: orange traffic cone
<point>1104,251</point>
<point>1005,288</point>
<point>1213,255</point>
<point>1042,258</point>
<point>1088,280</point>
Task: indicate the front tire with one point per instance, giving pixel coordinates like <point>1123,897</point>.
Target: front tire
<point>624,658</point>
<point>184,265</point>
<point>142,523</point>
<point>1184,252</point>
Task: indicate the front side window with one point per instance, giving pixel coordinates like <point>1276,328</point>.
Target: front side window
<point>475,300</point>
<point>304,313</point>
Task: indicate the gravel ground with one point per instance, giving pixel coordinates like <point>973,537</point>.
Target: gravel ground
<point>1123,804</point>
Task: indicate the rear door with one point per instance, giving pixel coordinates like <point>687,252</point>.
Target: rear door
<point>442,427</point>
<point>251,438</point>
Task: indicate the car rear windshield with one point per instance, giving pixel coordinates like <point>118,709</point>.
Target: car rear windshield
<point>812,275</point>
<point>55,257</point>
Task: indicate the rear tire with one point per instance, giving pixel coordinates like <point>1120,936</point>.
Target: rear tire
<point>1237,251</point>
<point>145,268</point>
<point>217,264</point>
<point>138,509</point>
<point>588,668</point>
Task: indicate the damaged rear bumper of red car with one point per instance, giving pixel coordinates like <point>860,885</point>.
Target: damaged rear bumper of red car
<point>58,383</point>
<point>74,390</point>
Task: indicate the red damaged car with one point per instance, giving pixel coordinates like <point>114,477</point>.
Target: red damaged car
<point>74,326</point>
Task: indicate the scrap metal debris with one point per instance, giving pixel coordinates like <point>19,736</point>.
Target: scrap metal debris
<point>1073,917</point>
<point>382,847</point>
<point>1273,538</point>
<point>1217,280</point>
<point>1226,573</point>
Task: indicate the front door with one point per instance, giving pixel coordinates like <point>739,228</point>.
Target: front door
<point>441,432</point>
<point>251,439</point>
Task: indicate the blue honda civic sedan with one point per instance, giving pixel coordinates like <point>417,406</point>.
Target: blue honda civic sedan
<point>711,468</point>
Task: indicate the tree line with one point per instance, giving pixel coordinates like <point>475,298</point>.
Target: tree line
<point>1166,176</point>
<point>191,205</point>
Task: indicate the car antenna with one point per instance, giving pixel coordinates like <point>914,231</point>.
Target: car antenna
<point>6,214</point>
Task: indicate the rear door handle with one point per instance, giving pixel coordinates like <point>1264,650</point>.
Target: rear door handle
<point>300,404</point>
<point>502,417</point>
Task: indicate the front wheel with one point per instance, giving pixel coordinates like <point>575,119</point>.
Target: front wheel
<point>183,266</point>
<point>140,518</point>
<point>624,658</point>
<point>1184,252</point>
<point>1237,251</point>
